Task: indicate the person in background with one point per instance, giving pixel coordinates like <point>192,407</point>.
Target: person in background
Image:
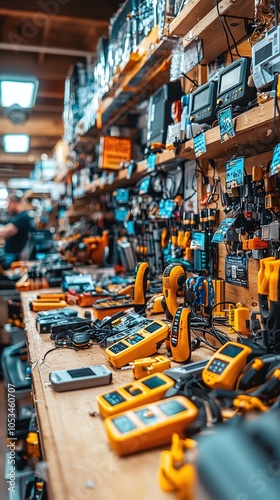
<point>16,232</point>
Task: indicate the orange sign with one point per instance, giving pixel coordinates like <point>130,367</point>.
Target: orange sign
<point>114,151</point>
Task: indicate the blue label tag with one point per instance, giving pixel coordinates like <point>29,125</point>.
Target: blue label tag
<point>151,161</point>
<point>199,145</point>
<point>235,172</point>
<point>226,124</point>
<point>275,164</point>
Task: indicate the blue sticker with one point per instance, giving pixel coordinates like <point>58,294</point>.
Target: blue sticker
<point>151,161</point>
<point>144,186</point>
<point>223,229</point>
<point>199,144</point>
<point>235,173</point>
<point>198,241</point>
<point>275,164</point>
<point>226,124</point>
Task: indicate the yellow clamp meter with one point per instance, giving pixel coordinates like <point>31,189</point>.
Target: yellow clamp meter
<point>150,425</point>
<point>224,368</point>
<point>141,343</point>
<point>146,390</point>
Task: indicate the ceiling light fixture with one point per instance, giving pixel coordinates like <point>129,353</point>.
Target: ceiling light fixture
<point>16,143</point>
<point>18,96</point>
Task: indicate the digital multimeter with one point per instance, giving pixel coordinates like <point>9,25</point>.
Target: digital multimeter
<point>141,343</point>
<point>224,368</point>
<point>80,378</point>
<point>180,336</point>
<point>149,425</point>
<point>146,390</point>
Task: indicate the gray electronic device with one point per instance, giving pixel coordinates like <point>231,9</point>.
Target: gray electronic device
<point>191,368</point>
<point>80,378</point>
<point>266,58</point>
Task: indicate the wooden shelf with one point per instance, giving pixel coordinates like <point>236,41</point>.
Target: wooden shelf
<point>210,31</point>
<point>254,135</point>
<point>193,12</point>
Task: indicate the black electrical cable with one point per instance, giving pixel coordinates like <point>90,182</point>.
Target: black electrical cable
<point>232,37</point>
<point>224,29</point>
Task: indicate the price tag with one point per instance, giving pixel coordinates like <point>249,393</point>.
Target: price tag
<point>226,124</point>
<point>151,162</point>
<point>235,172</point>
<point>275,164</point>
<point>199,145</point>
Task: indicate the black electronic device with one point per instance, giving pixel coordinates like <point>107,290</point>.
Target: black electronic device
<point>63,325</point>
<point>232,84</point>
<point>204,103</point>
<point>44,323</point>
<point>160,112</point>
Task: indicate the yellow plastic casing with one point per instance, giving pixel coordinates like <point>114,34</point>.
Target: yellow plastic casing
<point>139,287</point>
<point>37,306</point>
<point>140,344</point>
<point>173,278</point>
<point>146,366</point>
<point>150,425</point>
<point>180,336</point>
<point>224,368</point>
<point>144,391</point>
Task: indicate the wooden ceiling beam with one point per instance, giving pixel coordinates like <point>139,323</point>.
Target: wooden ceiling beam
<point>39,17</point>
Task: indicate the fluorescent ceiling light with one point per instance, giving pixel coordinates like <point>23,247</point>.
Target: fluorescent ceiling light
<point>16,143</point>
<point>18,91</point>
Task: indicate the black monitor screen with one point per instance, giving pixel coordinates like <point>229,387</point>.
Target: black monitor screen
<point>231,350</point>
<point>230,79</point>
<point>81,372</point>
<point>201,99</point>
<point>263,53</point>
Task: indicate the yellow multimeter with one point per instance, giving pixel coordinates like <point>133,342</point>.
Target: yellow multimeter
<point>126,397</point>
<point>224,368</point>
<point>139,344</point>
<point>180,336</point>
<point>150,425</point>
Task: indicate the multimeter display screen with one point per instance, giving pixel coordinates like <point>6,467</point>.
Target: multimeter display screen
<point>231,351</point>
<point>201,99</point>
<point>124,424</point>
<point>152,328</point>
<point>153,382</point>
<point>230,79</point>
<point>172,408</point>
<point>81,372</point>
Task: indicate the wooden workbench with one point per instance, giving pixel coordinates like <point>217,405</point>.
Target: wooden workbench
<point>80,462</point>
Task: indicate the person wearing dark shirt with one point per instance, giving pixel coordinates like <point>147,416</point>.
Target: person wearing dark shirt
<point>16,231</point>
